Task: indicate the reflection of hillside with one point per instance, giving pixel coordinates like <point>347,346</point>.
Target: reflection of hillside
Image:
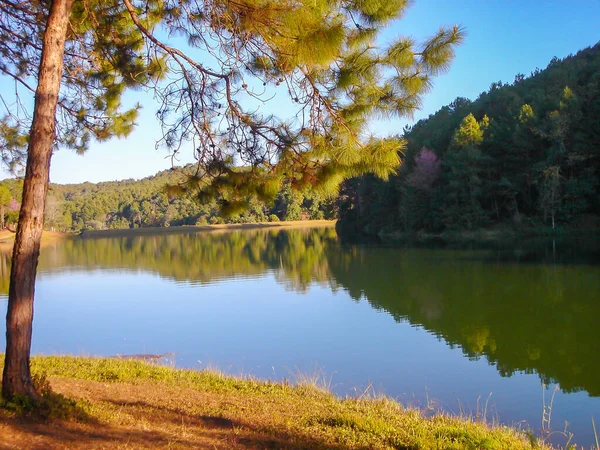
<point>297,255</point>
<point>522,317</point>
<point>533,318</point>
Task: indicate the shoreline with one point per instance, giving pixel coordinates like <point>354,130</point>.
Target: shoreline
<point>497,235</point>
<point>208,228</point>
<point>482,236</point>
<point>7,237</point>
<point>125,403</point>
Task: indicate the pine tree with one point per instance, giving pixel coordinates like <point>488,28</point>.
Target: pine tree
<point>463,171</point>
<point>324,55</point>
<point>417,190</point>
<point>540,152</point>
<point>5,199</point>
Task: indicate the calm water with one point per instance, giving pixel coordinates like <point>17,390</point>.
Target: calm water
<point>442,329</point>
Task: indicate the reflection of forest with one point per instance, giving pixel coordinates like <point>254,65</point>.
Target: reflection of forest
<point>522,317</point>
<point>297,256</point>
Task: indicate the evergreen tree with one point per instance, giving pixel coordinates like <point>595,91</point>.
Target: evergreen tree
<point>463,171</point>
<point>536,163</point>
<point>418,192</point>
<point>5,199</point>
<point>87,52</point>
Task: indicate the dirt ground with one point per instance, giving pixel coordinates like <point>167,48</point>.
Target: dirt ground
<point>134,416</point>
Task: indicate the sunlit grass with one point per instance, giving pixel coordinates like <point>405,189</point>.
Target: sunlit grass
<point>130,394</point>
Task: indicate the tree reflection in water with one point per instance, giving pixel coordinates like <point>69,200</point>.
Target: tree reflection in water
<point>533,317</point>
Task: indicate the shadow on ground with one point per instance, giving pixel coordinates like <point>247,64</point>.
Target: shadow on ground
<point>136,418</point>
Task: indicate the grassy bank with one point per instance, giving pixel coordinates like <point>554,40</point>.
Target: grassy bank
<point>130,404</point>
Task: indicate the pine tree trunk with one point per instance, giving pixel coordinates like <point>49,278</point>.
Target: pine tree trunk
<point>16,379</point>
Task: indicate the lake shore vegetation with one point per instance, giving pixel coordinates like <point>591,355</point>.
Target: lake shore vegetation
<point>146,203</point>
<point>7,237</point>
<point>124,403</point>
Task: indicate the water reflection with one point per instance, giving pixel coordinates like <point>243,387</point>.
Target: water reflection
<point>532,318</point>
<point>535,317</point>
<point>297,256</point>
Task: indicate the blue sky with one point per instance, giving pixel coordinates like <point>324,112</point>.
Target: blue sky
<point>504,37</point>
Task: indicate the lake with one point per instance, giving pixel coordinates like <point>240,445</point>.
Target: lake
<point>510,334</point>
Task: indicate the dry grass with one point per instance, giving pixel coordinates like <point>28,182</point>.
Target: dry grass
<point>130,404</point>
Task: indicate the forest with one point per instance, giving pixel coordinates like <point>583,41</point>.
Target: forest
<point>149,202</point>
<point>523,157</point>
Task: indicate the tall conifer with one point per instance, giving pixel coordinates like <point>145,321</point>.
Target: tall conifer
<point>211,64</point>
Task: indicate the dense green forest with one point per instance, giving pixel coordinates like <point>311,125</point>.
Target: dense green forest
<point>523,156</point>
<point>148,203</point>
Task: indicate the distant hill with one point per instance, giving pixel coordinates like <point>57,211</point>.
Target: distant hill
<point>146,203</point>
<point>524,154</point>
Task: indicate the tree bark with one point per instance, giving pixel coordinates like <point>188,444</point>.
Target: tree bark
<point>16,379</point>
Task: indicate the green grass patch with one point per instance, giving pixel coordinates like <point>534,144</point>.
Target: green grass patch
<point>263,413</point>
<point>116,370</point>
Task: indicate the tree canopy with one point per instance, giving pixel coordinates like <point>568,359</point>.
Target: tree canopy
<point>146,203</point>
<point>524,156</point>
<point>211,64</point>
<point>214,64</point>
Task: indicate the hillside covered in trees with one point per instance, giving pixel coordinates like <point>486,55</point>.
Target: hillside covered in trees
<point>525,156</point>
<point>149,203</point>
